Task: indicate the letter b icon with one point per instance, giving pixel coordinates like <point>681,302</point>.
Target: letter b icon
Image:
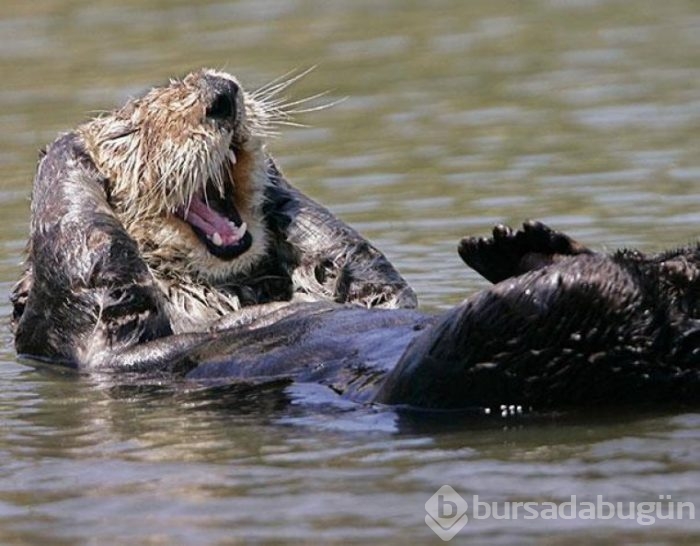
<point>447,509</point>
<point>447,513</point>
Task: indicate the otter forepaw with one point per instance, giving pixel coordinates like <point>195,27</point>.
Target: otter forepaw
<point>495,258</point>
<point>542,239</point>
<point>511,253</point>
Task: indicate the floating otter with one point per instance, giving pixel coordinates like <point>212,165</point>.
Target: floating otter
<point>175,194</point>
<point>164,239</point>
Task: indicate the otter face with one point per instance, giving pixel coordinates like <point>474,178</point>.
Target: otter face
<point>186,170</point>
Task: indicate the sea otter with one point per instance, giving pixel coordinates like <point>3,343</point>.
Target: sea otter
<point>180,185</point>
<point>164,239</point>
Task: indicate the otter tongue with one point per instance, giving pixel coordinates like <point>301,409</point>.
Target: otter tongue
<point>222,231</point>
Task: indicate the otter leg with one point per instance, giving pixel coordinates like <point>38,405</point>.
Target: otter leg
<point>584,332</point>
<point>509,254</point>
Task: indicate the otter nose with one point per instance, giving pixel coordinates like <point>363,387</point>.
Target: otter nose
<point>223,104</point>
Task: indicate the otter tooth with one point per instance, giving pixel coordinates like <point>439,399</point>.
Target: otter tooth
<point>216,239</point>
<point>242,229</point>
<point>232,156</point>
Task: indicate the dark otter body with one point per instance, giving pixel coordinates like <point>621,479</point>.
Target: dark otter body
<point>589,331</point>
<point>563,327</point>
<point>577,329</point>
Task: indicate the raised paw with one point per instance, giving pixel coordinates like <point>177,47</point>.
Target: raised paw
<point>508,254</point>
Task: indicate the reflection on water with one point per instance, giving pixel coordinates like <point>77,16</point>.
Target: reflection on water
<point>584,113</point>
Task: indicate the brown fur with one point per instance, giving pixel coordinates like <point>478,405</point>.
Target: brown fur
<point>153,155</point>
<point>157,151</point>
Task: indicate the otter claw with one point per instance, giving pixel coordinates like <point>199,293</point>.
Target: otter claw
<point>502,231</point>
<point>535,225</point>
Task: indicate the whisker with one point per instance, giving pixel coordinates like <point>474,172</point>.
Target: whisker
<point>284,102</point>
<point>318,108</point>
<point>281,83</point>
<point>290,123</point>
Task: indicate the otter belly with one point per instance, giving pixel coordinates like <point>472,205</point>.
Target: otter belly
<point>348,349</point>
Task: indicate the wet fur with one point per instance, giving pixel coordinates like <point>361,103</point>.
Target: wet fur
<point>141,162</point>
<point>562,327</point>
<point>587,330</point>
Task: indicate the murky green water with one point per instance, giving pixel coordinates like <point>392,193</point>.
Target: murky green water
<point>584,113</point>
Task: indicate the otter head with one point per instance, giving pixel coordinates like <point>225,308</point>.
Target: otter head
<point>186,169</point>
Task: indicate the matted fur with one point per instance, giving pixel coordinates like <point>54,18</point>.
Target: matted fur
<point>114,281</point>
<point>159,150</point>
<point>144,163</point>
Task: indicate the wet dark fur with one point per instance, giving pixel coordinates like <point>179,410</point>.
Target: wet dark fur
<point>563,326</point>
<point>86,292</point>
<point>586,330</point>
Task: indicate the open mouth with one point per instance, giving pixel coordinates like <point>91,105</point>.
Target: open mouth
<point>217,223</point>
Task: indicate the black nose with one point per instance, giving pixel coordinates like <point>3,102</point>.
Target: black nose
<point>223,104</point>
